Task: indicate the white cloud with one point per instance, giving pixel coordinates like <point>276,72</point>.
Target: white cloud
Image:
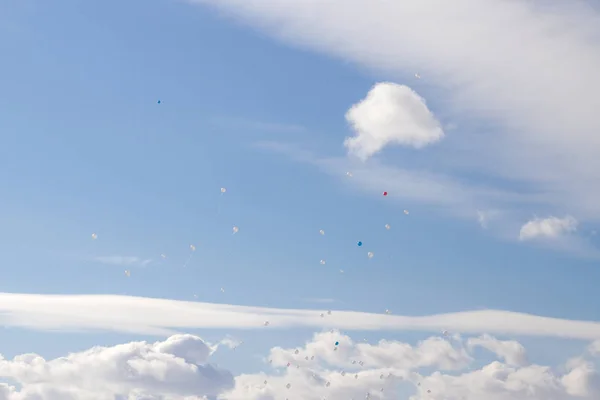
<point>165,317</point>
<point>390,114</point>
<point>125,261</point>
<point>173,369</point>
<point>551,227</point>
<point>178,369</point>
<point>512,352</point>
<point>524,97</point>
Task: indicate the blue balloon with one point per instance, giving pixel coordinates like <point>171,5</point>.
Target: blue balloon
<point>158,102</point>
<point>359,244</point>
<point>336,343</point>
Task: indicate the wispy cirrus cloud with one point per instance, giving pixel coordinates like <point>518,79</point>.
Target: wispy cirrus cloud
<point>124,261</point>
<point>527,120</point>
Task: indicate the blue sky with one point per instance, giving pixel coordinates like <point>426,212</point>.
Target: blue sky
<point>87,149</point>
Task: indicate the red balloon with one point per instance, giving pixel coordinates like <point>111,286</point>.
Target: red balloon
<point>385,193</point>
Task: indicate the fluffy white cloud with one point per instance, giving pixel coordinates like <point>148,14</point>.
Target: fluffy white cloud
<point>390,114</point>
<point>551,227</point>
<point>173,369</point>
<point>177,369</point>
<point>165,317</point>
<point>511,351</point>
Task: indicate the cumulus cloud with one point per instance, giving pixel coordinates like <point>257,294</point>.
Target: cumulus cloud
<point>123,260</point>
<point>176,368</point>
<point>551,227</point>
<point>390,114</point>
<point>511,351</point>
<point>165,317</point>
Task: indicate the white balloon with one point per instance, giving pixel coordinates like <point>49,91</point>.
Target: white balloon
<point>223,190</point>
<point>370,254</point>
<point>94,236</point>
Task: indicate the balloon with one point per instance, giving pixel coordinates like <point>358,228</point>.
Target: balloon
<point>163,256</point>
<point>359,244</point>
<point>235,230</point>
<point>370,254</point>
<point>349,174</point>
<point>288,386</point>
<point>385,193</point>
<point>127,273</point>
<point>406,212</point>
<point>337,343</point>
<point>223,190</point>
<point>322,232</point>
<point>322,262</point>
<point>158,102</point>
<point>94,236</point>
<point>387,226</point>
<point>192,247</point>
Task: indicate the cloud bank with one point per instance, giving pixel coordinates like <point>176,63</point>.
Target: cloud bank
<point>179,368</point>
<point>165,317</point>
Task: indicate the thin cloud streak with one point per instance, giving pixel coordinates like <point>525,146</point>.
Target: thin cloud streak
<point>123,261</point>
<point>165,317</point>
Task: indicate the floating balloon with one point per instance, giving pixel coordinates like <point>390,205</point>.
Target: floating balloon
<point>288,386</point>
<point>163,256</point>
<point>266,323</point>
<point>349,174</point>
<point>417,76</point>
<point>158,102</point>
<point>359,244</point>
<point>388,312</point>
<point>337,343</point>
<point>265,382</point>
<point>322,262</point>
<point>94,236</point>
<point>385,193</point>
<point>297,351</point>
<point>322,315</point>
<point>235,230</point>
<point>322,232</point>
<point>223,190</point>
<point>406,212</point>
<point>329,312</point>
<point>388,227</point>
<point>222,290</point>
<point>370,254</point>
<point>192,247</point>
<point>341,271</point>
<point>127,273</point>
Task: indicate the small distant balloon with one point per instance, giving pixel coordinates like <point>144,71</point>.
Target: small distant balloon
<point>223,190</point>
<point>388,226</point>
<point>341,271</point>
<point>158,102</point>
<point>349,174</point>
<point>163,256</point>
<point>192,247</point>
<point>388,312</point>
<point>406,212</point>
<point>265,382</point>
<point>359,244</point>
<point>370,254</point>
<point>222,290</point>
<point>94,236</point>
<point>288,386</point>
<point>329,312</point>
<point>322,232</point>
<point>128,273</point>
<point>322,262</point>
<point>417,76</point>
<point>337,343</point>
<point>235,229</point>
<point>266,323</point>
<point>385,193</point>
<point>297,351</point>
